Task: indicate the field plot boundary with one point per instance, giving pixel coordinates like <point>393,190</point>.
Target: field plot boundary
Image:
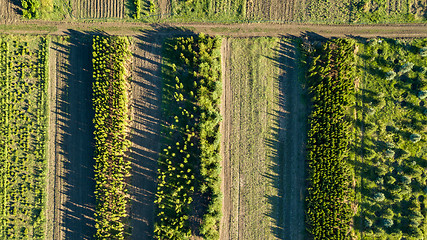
<point>292,130</point>
<point>146,94</point>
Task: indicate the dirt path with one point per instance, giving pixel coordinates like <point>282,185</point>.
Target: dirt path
<point>225,133</point>
<point>292,136</point>
<point>146,91</point>
<point>71,110</point>
<point>231,30</point>
<point>58,68</point>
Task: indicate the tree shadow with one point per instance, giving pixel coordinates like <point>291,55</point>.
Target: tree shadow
<point>74,106</point>
<point>146,127</point>
<point>287,143</point>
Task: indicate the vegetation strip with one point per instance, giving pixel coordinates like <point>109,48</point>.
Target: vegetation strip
<point>110,102</point>
<point>392,161</point>
<point>330,192</point>
<point>188,193</point>
<point>23,126</point>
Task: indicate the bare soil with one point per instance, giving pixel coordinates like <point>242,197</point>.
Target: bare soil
<point>280,10</point>
<point>9,10</point>
<point>313,31</point>
<point>71,142</point>
<point>225,129</point>
<point>98,8</point>
<point>146,89</point>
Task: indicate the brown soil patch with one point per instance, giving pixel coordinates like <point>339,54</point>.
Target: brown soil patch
<point>71,135</point>
<point>225,133</point>
<point>98,8</point>
<point>314,31</point>
<point>8,11</point>
<point>146,89</point>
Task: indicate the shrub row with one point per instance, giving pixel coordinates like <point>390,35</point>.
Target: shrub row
<point>189,166</point>
<point>23,136</point>
<point>138,9</point>
<point>330,194</point>
<point>110,102</point>
<point>30,8</point>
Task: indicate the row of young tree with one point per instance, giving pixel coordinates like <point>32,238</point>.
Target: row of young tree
<point>188,196</point>
<point>23,136</point>
<point>110,102</point>
<point>330,193</point>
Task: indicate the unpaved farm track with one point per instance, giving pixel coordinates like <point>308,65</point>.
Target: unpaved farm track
<point>72,147</point>
<point>292,130</point>
<point>231,30</point>
<point>146,88</point>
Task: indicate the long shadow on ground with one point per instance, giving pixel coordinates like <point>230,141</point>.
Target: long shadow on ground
<point>75,104</point>
<point>288,143</point>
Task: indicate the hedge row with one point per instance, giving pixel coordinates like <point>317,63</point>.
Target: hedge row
<point>189,183</point>
<point>110,102</point>
<point>330,193</point>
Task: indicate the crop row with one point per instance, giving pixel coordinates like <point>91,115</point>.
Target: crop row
<point>189,166</point>
<point>23,130</point>
<point>110,102</point>
<point>330,193</point>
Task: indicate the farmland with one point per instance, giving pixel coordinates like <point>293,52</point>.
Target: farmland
<point>392,159</point>
<point>24,75</point>
<point>249,166</point>
<point>97,9</point>
<point>170,119</point>
<point>224,11</point>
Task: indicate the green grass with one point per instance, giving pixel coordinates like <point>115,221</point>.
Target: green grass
<point>388,112</point>
<point>253,77</point>
<point>23,126</point>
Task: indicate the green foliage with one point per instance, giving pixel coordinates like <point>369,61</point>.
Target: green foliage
<point>110,102</point>
<point>30,8</point>
<point>190,165</point>
<point>23,128</point>
<point>415,137</point>
<point>397,215</point>
<point>390,75</point>
<point>329,213</point>
<point>138,9</point>
<point>423,52</point>
<point>379,197</point>
<point>406,68</point>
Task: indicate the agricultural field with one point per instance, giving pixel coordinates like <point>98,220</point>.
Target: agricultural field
<point>82,9</point>
<point>249,166</point>
<point>391,122</point>
<point>263,170</point>
<point>220,11</point>
<point>188,198</point>
<point>124,120</point>
<point>24,80</point>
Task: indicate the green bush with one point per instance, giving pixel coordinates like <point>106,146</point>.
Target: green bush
<point>423,52</point>
<point>389,153</point>
<point>387,222</point>
<point>390,75</point>
<point>379,197</point>
<point>406,68</point>
<point>415,137</point>
<point>30,8</point>
<point>422,94</point>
